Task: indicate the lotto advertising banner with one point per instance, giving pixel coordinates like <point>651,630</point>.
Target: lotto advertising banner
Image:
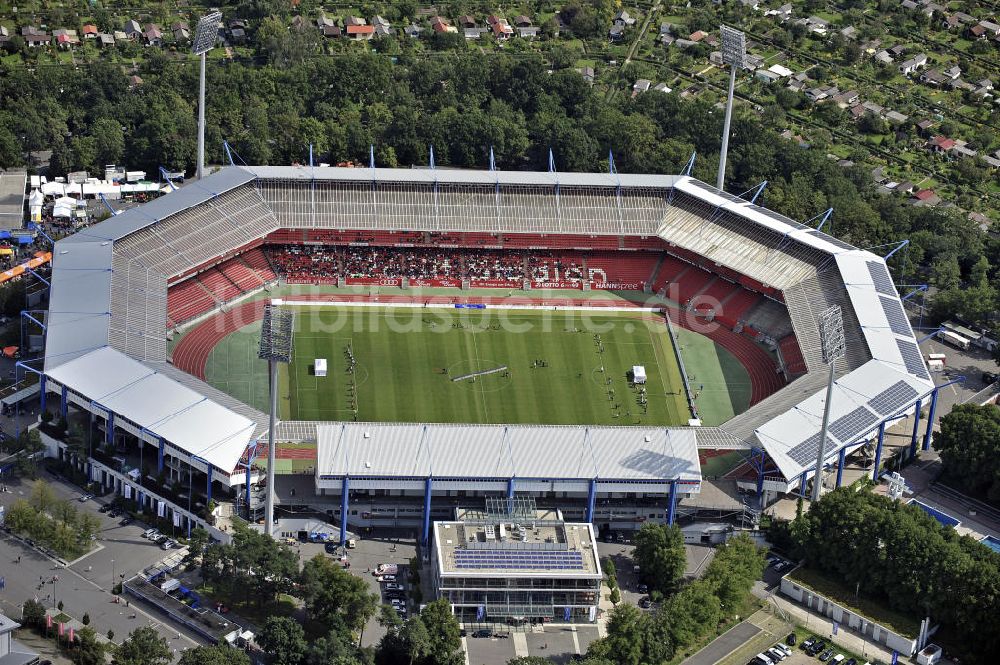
<point>374,281</point>
<point>449,282</point>
<point>558,284</point>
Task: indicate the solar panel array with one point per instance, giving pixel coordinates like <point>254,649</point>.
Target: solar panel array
<point>848,427</point>
<point>912,358</point>
<point>833,241</point>
<point>892,398</point>
<point>518,560</point>
<point>805,452</point>
<point>881,278</point>
<point>896,316</point>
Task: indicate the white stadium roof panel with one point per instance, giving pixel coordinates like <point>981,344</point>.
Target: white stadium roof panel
<point>464,450</point>
<point>80,301</point>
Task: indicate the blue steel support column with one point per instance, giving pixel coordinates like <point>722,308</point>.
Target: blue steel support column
<point>671,509</point>
<point>760,475</point>
<point>840,465</point>
<point>510,495</point>
<point>208,485</point>
<point>64,401</point>
<point>802,484</point>
<point>428,488</point>
<point>110,434</point>
<point>930,420</point>
<point>344,491</point>
<point>916,426</point>
<point>41,394</point>
<point>591,499</point>
<point>878,450</point>
<point>159,455</point>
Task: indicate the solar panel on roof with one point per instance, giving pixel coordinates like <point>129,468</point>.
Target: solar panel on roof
<point>854,424</point>
<point>518,559</point>
<point>837,242</point>
<point>892,398</point>
<point>806,451</point>
<point>894,313</point>
<point>912,358</point>
<point>881,278</point>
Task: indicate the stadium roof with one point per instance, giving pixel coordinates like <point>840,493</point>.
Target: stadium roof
<point>156,404</point>
<point>109,283</point>
<point>12,195</point>
<point>385,450</point>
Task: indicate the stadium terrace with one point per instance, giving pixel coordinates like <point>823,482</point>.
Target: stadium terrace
<point>122,288</point>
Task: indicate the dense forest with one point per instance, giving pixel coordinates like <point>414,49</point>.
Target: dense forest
<point>463,104</point>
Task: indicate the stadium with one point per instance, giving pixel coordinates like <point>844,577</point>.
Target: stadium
<point>410,284</point>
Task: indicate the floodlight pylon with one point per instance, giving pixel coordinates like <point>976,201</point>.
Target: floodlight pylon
<point>205,35</point>
<point>275,347</point>
<point>734,54</point>
<point>831,334</point>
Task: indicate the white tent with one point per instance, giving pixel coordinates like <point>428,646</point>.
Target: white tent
<point>638,374</point>
<point>35,202</point>
<point>64,207</point>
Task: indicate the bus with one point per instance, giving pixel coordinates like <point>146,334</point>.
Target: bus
<point>954,339</point>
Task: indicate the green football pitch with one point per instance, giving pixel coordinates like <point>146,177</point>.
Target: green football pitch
<point>415,365</point>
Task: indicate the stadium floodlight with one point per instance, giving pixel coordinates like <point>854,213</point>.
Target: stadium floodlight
<point>205,35</point>
<point>275,347</point>
<point>734,54</point>
<point>831,335</point>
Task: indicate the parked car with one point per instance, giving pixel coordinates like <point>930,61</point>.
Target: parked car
<point>392,586</point>
<point>816,648</point>
<point>807,644</point>
<point>125,521</point>
<point>330,548</point>
<point>168,544</point>
<point>775,655</point>
<point>149,533</point>
<point>642,588</point>
<point>482,632</point>
<point>826,655</point>
<point>645,602</point>
<point>790,640</point>
<point>105,508</point>
<point>387,578</point>
<point>86,497</point>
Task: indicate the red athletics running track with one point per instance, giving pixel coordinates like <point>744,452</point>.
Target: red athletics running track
<point>191,353</point>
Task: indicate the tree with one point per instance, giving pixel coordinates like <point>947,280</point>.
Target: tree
<point>659,551</point>
<point>143,646</point>
<point>87,650</point>
<point>214,655</point>
<point>283,640</point>
<point>32,613</point>
<point>333,597</point>
<point>197,542</point>
<point>969,444</point>
<point>444,633</point>
<point>625,637</point>
<point>529,660</point>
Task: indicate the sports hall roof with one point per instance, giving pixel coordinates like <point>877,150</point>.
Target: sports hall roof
<point>109,286</point>
<point>506,451</point>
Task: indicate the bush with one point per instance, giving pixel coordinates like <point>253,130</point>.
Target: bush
<point>616,596</point>
<point>60,605</point>
<point>33,614</point>
<point>111,635</point>
<point>86,619</point>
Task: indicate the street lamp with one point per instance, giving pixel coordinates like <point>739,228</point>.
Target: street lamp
<point>831,335</point>
<point>112,576</point>
<point>734,54</point>
<point>205,35</point>
<point>275,347</point>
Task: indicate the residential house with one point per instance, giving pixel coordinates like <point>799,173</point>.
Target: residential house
<point>104,39</point>
<point>848,98</point>
<point>132,29</point>
<point>764,75</point>
<point>905,187</point>
<point>119,36</point>
<point>466,21</point>
<point>925,197</point>
<point>992,29</point>
<point>981,220</point>
<point>329,27</point>
<point>913,64</point>
<point>65,38</point>
<point>354,20</point>
<point>89,31</point>
<point>715,57</point>
<point>816,25</point>
<point>924,127</point>
<point>932,8</point>
<point>589,76</point>
<point>985,83</point>
<point>883,57</point>
<point>964,18</point>
<point>522,21</point>
<point>527,31</point>
<point>909,4</point>
<point>616,33</point>
<point>622,18</point>
<point>152,35</point>
<point>382,26</point>
<point>667,39</point>
<point>977,32</point>
<point>896,118</point>
<point>662,87</point>
<point>413,31</point>
<point>666,28</point>
<point>951,22</point>
<point>4,34</point>
<point>441,24</point>
<point>500,27</point>
<point>683,43</point>
<point>180,31</point>
<point>872,107</point>
<point>850,32</point>
<point>751,4</point>
<point>134,81</point>
<point>35,37</point>
<point>857,111</point>
<point>782,13</point>
<point>640,86</point>
<point>991,161</point>
<point>360,32</point>
<point>940,144</point>
<point>753,61</point>
<point>299,23</point>
<point>934,77</point>
<point>474,33</point>
<point>697,36</point>
<point>897,50</point>
<point>953,72</point>
<point>780,70</point>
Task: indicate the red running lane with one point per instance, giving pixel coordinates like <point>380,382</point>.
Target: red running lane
<point>192,352</point>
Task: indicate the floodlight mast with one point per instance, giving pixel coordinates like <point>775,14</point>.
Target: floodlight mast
<point>275,347</point>
<point>734,54</point>
<point>205,36</point>
<point>831,335</point>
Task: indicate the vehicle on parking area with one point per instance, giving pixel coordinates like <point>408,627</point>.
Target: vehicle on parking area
<point>807,644</point>
<point>645,602</point>
<point>816,648</point>
<point>387,578</point>
<point>482,632</point>
<point>149,533</point>
<point>386,569</point>
<point>790,640</point>
<point>86,497</point>
<point>761,659</point>
<point>168,544</point>
<point>851,661</point>
<point>826,655</point>
<point>331,548</point>
<point>160,539</point>
<point>392,586</point>
<point>775,655</point>
<point>642,588</point>
<point>105,508</point>
<point>783,649</point>
<point>838,659</point>
<point>125,521</point>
